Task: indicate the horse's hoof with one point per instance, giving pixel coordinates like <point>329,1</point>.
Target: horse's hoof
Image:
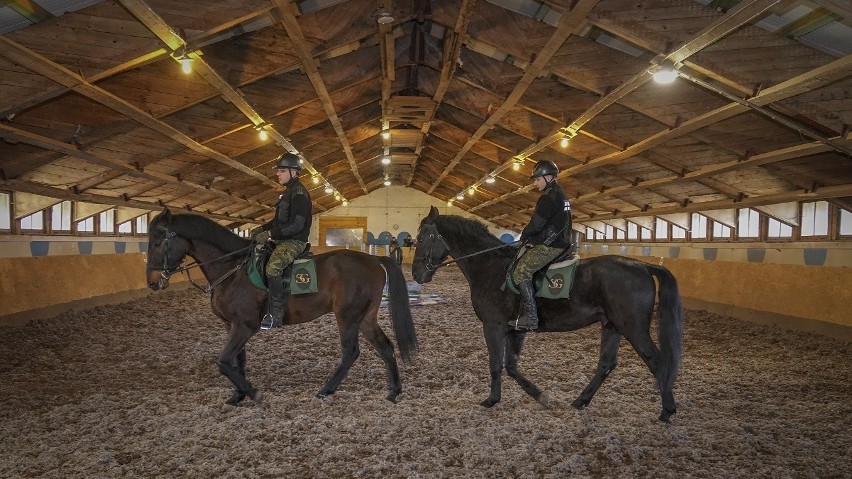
<point>326,398</point>
<point>227,407</point>
<point>544,400</point>
<point>392,396</point>
<point>579,404</point>
<point>489,403</point>
<point>665,415</point>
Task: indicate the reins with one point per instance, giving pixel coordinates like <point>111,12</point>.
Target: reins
<point>428,260</point>
<point>186,268</point>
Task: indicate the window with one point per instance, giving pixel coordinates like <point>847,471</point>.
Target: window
<point>699,226</point>
<point>661,229</point>
<point>142,225</point>
<point>721,231</point>
<point>590,233</point>
<point>107,221</point>
<point>632,231</point>
<point>748,223</point>
<point>778,229</point>
<point>33,222</point>
<point>87,225</point>
<point>644,234</point>
<point>60,218</point>
<point>815,219</point>
<point>619,234</point>
<point>678,232</point>
<point>845,223</point>
<point>125,227</point>
<point>5,212</point>
<point>609,232</point>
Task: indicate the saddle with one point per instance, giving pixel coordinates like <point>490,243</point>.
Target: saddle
<point>554,280</point>
<point>260,254</point>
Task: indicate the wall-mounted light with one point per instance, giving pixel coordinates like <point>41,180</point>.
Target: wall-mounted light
<point>490,180</point>
<point>386,160</point>
<point>386,134</point>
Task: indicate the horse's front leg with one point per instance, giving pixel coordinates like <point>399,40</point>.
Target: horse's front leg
<point>232,367</point>
<point>514,344</point>
<point>495,338</point>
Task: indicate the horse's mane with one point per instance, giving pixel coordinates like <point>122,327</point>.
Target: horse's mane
<point>461,227</point>
<point>195,227</point>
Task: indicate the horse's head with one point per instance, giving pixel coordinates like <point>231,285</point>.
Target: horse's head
<point>166,251</point>
<point>431,249</point>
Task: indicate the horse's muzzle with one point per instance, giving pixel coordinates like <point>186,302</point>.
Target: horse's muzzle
<point>157,280</point>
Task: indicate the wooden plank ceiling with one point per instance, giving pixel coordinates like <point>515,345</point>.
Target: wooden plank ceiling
<point>94,106</point>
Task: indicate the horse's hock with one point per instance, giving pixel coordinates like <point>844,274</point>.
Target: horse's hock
<point>129,390</point>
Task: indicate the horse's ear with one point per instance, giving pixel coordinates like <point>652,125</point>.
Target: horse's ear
<point>433,213</point>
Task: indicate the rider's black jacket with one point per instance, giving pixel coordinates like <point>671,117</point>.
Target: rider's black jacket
<point>551,221</point>
<point>292,213</point>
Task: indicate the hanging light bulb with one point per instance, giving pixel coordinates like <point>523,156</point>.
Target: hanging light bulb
<point>490,180</point>
<point>328,188</point>
<point>386,134</point>
<point>185,62</point>
<point>564,142</point>
<point>387,182</point>
<point>516,165</point>
<point>386,160</point>
<point>460,196</point>
<point>315,179</point>
<point>345,203</point>
<point>337,196</point>
<point>471,191</point>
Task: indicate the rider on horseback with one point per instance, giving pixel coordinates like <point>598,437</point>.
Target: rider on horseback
<point>546,236</point>
<point>289,230</point>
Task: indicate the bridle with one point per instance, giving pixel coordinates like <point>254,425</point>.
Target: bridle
<point>428,260</point>
<point>167,271</point>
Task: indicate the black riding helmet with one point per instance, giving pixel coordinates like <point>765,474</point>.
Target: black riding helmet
<point>544,168</point>
<point>288,160</point>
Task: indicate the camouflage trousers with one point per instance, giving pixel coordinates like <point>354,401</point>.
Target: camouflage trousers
<point>284,254</point>
<point>534,259</point>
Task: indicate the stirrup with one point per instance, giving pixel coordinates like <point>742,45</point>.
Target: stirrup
<point>519,327</point>
<point>267,322</point>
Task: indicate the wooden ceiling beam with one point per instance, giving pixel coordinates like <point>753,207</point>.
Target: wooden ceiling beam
<point>568,24</point>
<point>14,134</point>
<point>453,41</point>
<point>309,66</point>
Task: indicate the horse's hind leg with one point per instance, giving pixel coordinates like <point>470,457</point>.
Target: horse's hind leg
<point>232,363</point>
<point>380,342</point>
<point>650,354</point>
<point>349,351</point>
<point>514,344</point>
<point>610,342</point>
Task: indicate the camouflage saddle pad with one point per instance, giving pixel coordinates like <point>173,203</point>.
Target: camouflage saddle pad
<point>552,283</point>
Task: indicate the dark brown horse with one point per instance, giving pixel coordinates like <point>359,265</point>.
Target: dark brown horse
<point>350,286</point>
<point>615,291</point>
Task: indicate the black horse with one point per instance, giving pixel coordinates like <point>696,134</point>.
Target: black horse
<point>350,285</point>
<point>616,291</point>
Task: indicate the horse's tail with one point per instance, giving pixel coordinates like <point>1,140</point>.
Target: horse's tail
<point>670,331</point>
<point>399,308</point>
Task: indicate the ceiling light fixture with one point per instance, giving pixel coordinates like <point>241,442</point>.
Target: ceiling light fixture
<point>315,179</point>
<point>386,160</point>
<point>516,165</point>
<point>665,75</point>
<point>449,202</point>
<point>337,196</point>
<point>386,134</point>
<point>564,142</point>
<point>471,191</point>
<point>328,188</point>
<point>345,203</point>
<point>460,196</point>
<point>490,180</point>
<point>383,17</point>
<point>185,62</point>
<point>387,182</point>
<point>261,130</point>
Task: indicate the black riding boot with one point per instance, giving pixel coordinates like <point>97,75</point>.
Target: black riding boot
<point>529,315</point>
<point>275,304</point>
